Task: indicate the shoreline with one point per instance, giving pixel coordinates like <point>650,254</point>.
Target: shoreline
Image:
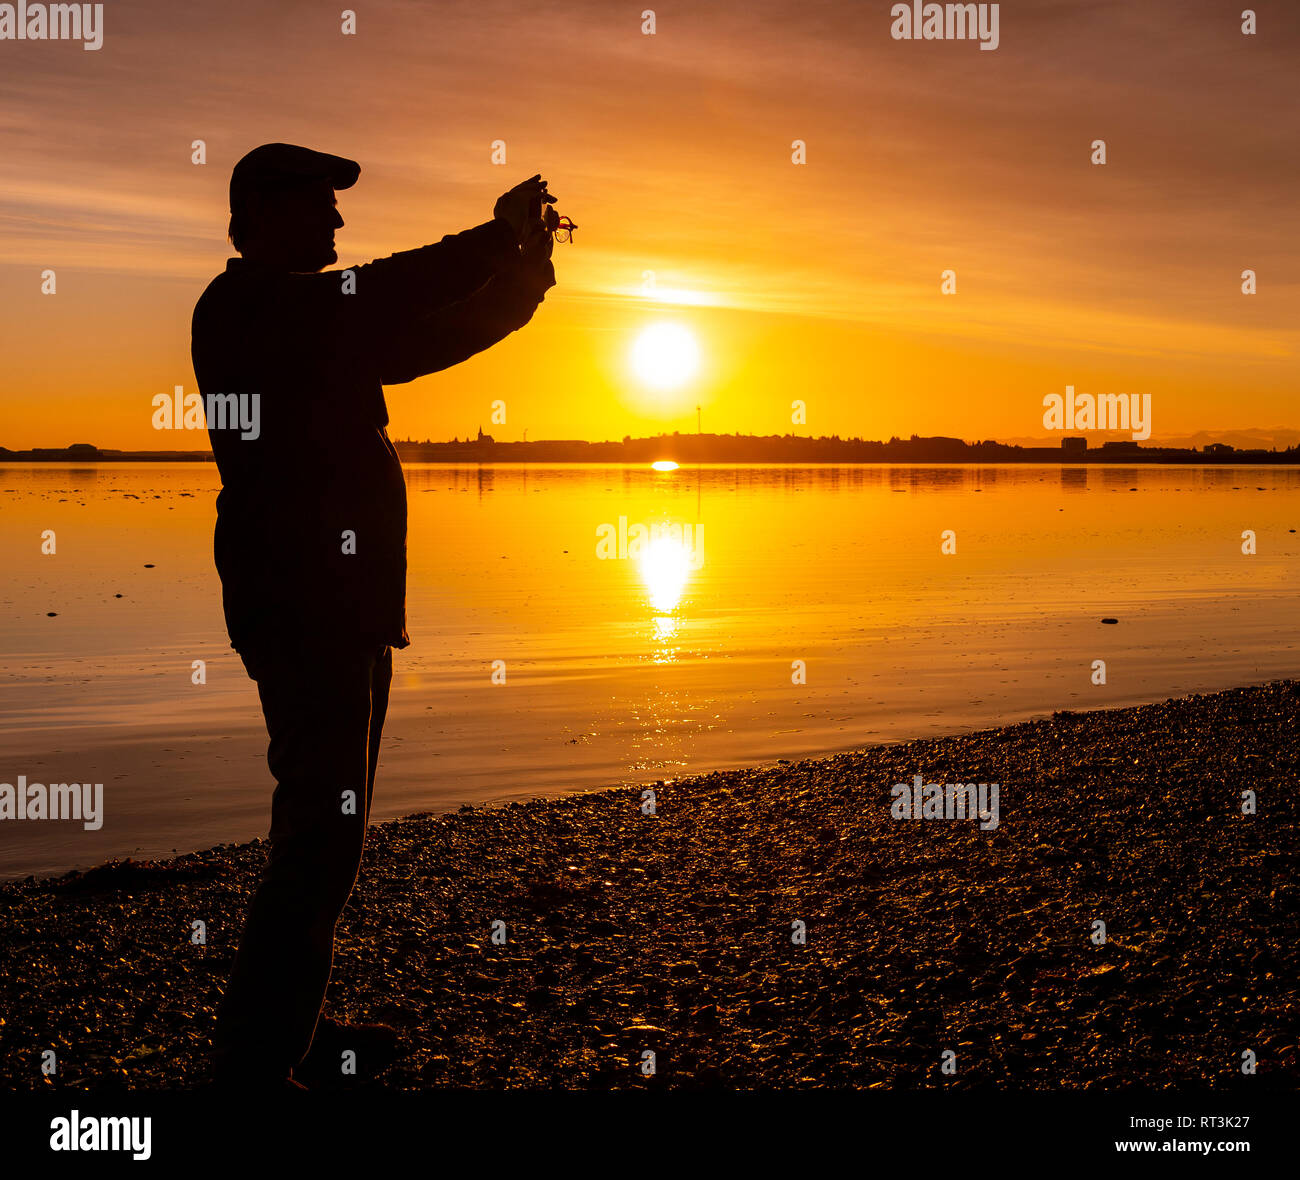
<point>227,756</point>
<point>629,933</point>
<point>468,458</point>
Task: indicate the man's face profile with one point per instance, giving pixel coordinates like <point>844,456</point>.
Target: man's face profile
<point>293,226</point>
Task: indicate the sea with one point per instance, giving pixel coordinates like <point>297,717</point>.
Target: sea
<point>575,627</point>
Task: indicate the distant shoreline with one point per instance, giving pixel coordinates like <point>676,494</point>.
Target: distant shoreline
<point>740,450</point>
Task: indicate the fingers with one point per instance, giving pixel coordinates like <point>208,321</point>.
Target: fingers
<point>523,207</point>
<point>534,187</point>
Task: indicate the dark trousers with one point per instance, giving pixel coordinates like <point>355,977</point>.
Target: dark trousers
<point>324,712</point>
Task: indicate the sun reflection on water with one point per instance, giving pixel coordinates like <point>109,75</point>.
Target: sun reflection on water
<point>665,568</point>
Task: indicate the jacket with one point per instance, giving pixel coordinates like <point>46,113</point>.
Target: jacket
<point>311,518</point>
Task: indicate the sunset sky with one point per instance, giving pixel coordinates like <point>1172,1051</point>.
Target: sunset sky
<point>673,154</point>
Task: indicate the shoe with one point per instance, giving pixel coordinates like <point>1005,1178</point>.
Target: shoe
<point>376,1047</point>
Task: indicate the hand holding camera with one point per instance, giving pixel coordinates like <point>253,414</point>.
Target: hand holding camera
<point>528,208</point>
<point>521,207</point>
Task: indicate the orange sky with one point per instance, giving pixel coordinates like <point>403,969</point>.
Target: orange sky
<point>672,152</point>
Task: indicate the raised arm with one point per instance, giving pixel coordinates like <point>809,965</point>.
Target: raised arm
<point>455,333</point>
<point>415,283</point>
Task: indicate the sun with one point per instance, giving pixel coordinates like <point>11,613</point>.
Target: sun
<point>665,356</point>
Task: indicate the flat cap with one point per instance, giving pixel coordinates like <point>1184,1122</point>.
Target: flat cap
<point>274,165</point>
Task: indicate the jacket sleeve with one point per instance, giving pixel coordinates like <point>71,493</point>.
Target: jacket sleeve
<point>455,333</point>
<point>414,283</point>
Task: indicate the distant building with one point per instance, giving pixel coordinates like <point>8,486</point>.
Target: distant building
<point>938,446</point>
<point>1124,445</point>
<point>484,438</point>
<point>1074,445</point>
<point>76,451</point>
<point>1219,449</point>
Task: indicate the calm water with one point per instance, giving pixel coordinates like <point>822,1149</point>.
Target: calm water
<point>627,670</point>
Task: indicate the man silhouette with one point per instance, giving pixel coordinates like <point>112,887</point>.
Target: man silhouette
<point>310,543</point>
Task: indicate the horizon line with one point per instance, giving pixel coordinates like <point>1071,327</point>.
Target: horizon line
<point>1090,440</point>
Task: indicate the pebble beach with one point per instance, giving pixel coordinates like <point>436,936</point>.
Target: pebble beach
<point>767,928</point>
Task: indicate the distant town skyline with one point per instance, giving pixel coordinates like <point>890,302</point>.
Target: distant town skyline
<point>692,447</point>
